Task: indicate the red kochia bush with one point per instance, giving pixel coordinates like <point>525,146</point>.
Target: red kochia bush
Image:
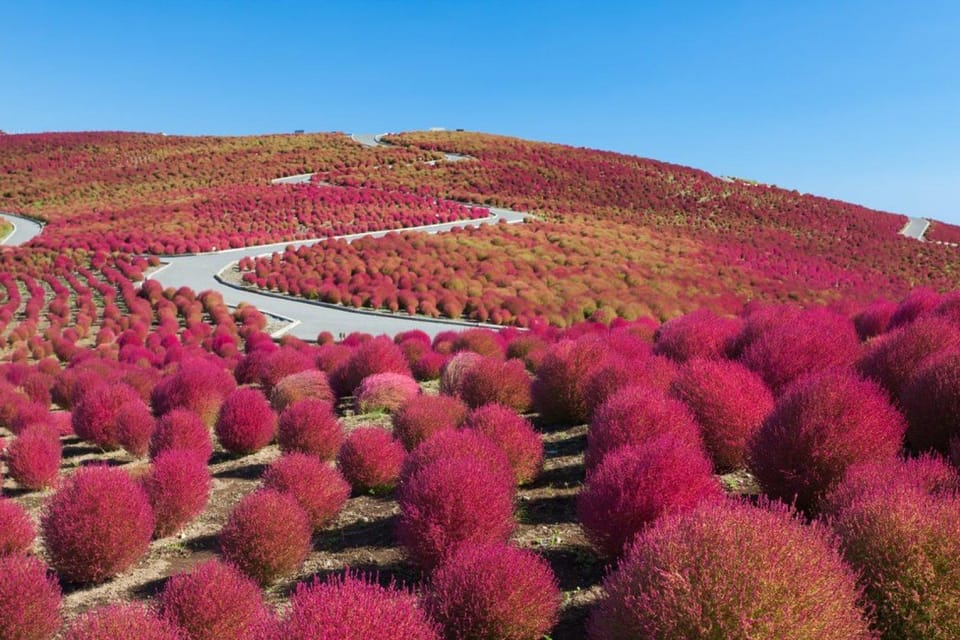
<point>246,422</point>
<point>452,444</point>
<point>135,426</point>
<point>281,363</point>
<point>453,372</point>
<point>178,487</point>
<point>874,319</point>
<point>636,485</point>
<point>494,591</point>
<point>379,355</point>
<point>16,528</point>
<point>355,607</point>
<point>919,302</point>
<point>449,502</point>
<point>267,535</point>
<point>504,382</point>
<point>931,402</point>
<point>558,390</point>
<point>97,524</point>
<point>318,487</point>
<point>215,601</point>
<point>730,570</point>
<point>94,417</point>
<point>385,392</point>
<point>370,459</point>
<point>29,599</point>
<point>634,415</point>
<point>311,384</point>
<point>310,426</point>
<point>514,435</point>
<point>699,334</point>
<point>821,426</point>
<point>199,385</point>
<point>33,458</point>
<point>423,416</point>
<point>928,474</point>
<point>617,372</point>
<point>122,622</point>
<point>181,429</point>
<point>729,403</point>
<point>483,341</point>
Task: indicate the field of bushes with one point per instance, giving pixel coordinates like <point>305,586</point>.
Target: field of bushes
<point>659,454</point>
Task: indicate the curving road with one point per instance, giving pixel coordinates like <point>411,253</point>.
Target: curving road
<point>915,228</point>
<point>24,229</point>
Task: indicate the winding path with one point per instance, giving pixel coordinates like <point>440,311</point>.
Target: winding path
<point>24,229</point>
<point>915,228</point>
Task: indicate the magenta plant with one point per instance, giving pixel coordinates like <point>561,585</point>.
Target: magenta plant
<point>311,383</point>
<point>617,372</point>
<point>16,528</point>
<point>30,599</point>
<point>135,426</point>
<point>246,422</point>
<point>379,355</point>
<point>122,621</point>
<point>370,460</point>
<point>319,488</point>
<point>178,487</point>
<point>451,444</point>
<point>181,429</point>
<point>385,392</point>
<point>198,385</point>
<point>699,334</point>
<point>558,391</point>
<point>514,435</point>
<point>931,402</point>
<point>33,458</point>
<point>422,416</point>
<point>94,417</point>
<point>494,380</point>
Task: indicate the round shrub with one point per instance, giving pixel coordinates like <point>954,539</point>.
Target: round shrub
<point>634,415</point>
<point>821,426</point>
<point>27,415</point>
<point>385,392</point>
<point>214,601</point>
<point>310,426</point>
<point>318,487</point>
<point>617,372</point>
<point>29,599</point>
<point>452,373</point>
<point>485,342</point>
<point>98,524</point>
<point>927,474</point>
<point>429,366</point>
<point>311,384</point>
<point>94,417</point>
<point>33,458</point>
<point>283,362</point>
<point>699,334</point>
<point>135,425</point>
<point>729,402</point>
<point>931,402</point>
<point>514,435</point>
<point>267,535</point>
<point>494,591</point>
<point>16,528</point>
<point>730,570</point>
<point>181,429</point>
<point>558,390</point>
<point>449,502</point>
<point>874,319</point>
<point>636,485</point>
<point>370,460</point>
<point>493,380</point>
<point>355,607</point>
<point>423,416</point>
<point>121,622</point>
<point>904,543</point>
<point>919,302</point>
<point>379,355</point>
<point>178,487</point>
<point>198,384</point>
<point>246,422</point>
<point>451,444</point>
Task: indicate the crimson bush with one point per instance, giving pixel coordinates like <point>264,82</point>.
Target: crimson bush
<point>199,385</point>
<point>454,370</point>
<point>33,458</point>
<point>514,435</point>
<point>931,402</point>
<point>16,528</point>
<point>121,622</point>
<point>496,380</point>
<point>452,444</point>
<point>310,426</point>
<point>379,355</point>
<point>423,416</point>
<point>558,391</point>
<point>94,417</point>
<point>181,429</point>
<point>311,384</point>
<point>385,392</point>
<point>29,599</point>
<point>246,422</point>
<point>370,459</point>
<point>617,372</point>
<point>135,426</point>
<point>316,486</point>
<point>699,334</point>
<point>178,487</point>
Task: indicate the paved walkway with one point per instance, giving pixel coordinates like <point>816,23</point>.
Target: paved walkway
<point>24,229</point>
<point>915,228</point>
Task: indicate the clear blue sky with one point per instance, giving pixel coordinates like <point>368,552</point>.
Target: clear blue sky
<point>854,100</point>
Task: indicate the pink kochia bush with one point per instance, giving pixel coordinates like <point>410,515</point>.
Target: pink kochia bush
<point>310,426</point>
<point>215,601</point>
<point>94,417</point>
<point>451,444</point>
<point>822,425</point>
<point>135,426</point>
<point>311,383</point>
<point>267,535</point>
<point>16,528</point>
<point>494,591</point>
<point>178,487</point>
<point>355,607</point>
<point>33,458</point>
<point>731,570</point>
<point>246,422</point>
<point>455,369</point>
<point>617,372</point>
<point>199,385</point>
<point>449,502</point>
<point>699,334</point>
<point>122,622</point>
<point>423,416</point>
<point>729,402</point>
<point>634,415</point>
<point>636,485</point>
<point>318,487</point>
<point>370,459</point>
<point>97,525</point>
<point>29,599</point>
<point>504,382</point>
<point>181,429</point>
<point>931,402</point>
<point>379,355</point>
<point>385,392</point>
<point>514,435</point>
<point>558,391</point>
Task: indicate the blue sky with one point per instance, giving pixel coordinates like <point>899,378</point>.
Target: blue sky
<point>854,100</point>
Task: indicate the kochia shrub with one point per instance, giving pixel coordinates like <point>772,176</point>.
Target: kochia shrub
<point>496,380</point>
<point>16,528</point>
<point>181,429</point>
<point>267,535</point>
<point>122,622</point>
<point>931,402</point>
<point>617,372</point>
<point>449,502</point>
<point>311,384</point>
<point>135,426</point>
<point>423,416</point>
<point>310,426</point>
<point>699,334</point>
<point>246,422</point>
<point>454,370</point>
<point>494,591</point>
<point>514,435</point>
<point>485,342</point>
<point>355,607</point>
<point>370,459</point>
<point>199,385</point>
<point>385,392</point>
<point>874,319</point>
<point>636,485</point>
<point>558,391</point>
<point>29,599</point>
<point>821,426</point>
<point>215,601</point>
<point>33,458</point>
<point>379,355</point>
<point>94,417</point>
<point>730,570</point>
<point>452,444</point>
<point>97,524</point>
<point>178,487</point>
<point>319,488</point>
